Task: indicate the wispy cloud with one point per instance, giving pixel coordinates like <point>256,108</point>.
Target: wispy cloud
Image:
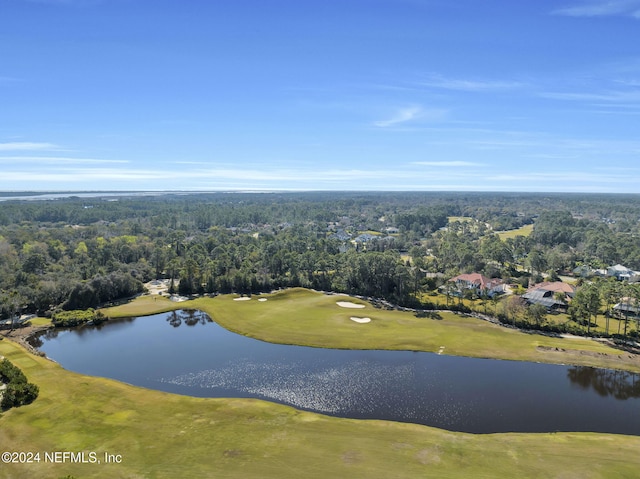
<point>460,175</point>
<point>446,164</point>
<point>56,160</point>
<point>601,8</point>
<point>471,85</point>
<point>565,177</point>
<point>255,176</point>
<point>27,146</point>
<point>401,116</point>
<point>628,96</point>
<point>630,83</point>
<point>412,113</point>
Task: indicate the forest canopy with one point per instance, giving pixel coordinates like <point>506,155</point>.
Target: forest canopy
<point>78,253</point>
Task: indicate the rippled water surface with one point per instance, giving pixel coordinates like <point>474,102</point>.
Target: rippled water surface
<point>185,352</point>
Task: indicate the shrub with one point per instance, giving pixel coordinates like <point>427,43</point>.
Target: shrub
<point>18,391</point>
<point>73,318</point>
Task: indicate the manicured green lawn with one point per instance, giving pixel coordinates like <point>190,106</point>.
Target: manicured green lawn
<point>598,324</point>
<point>299,316</point>
<point>162,435</point>
<point>40,321</point>
<point>525,230</point>
<point>143,306</point>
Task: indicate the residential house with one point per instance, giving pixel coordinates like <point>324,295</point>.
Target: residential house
<point>478,284</point>
<point>621,272</point>
<point>583,271</point>
<point>547,295</point>
<point>365,238</point>
<point>341,235</point>
<point>627,307</point>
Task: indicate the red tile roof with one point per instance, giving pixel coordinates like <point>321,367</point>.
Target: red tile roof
<point>476,278</point>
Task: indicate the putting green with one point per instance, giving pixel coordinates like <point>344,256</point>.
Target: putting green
<point>308,318</point>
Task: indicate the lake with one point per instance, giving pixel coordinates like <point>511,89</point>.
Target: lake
<point>185,352</point>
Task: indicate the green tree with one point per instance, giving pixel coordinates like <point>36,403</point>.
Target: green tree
<point>537,313</point>
<point>609,293</point>
<point>586,304</point>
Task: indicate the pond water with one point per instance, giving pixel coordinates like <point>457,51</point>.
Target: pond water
<point>185,352</point>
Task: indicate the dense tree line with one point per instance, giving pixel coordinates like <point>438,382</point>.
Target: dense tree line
<point>78,253</point>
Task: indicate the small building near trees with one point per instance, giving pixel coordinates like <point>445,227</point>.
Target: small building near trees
<point>627,307</point>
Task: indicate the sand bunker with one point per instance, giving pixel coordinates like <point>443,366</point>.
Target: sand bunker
<point>158,286</point>
<point>360,320</point>
<point>178,299</point>
<point>349,304</point>
<point>244,298</point>
<point>262,299</point>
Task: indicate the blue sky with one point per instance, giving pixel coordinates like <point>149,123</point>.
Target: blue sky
<point>508,95</point>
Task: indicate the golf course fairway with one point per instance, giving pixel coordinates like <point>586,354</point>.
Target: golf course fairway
<point>138,433</point>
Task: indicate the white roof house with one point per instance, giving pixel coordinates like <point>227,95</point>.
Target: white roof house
<point>621,272</point>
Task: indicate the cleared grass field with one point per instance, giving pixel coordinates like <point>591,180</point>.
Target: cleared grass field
<point>525,230</point>
<point>161,435</point>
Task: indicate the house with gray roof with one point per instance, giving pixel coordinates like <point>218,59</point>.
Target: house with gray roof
<point>627,307</point>
<point>622,273</point>
<point>546,294</point>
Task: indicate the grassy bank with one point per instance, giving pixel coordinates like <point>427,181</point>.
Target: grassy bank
<point>303,317</point>
<point>161,435</point>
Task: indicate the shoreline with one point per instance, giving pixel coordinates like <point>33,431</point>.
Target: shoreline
<point>22,335</point>
<point>617,358</point>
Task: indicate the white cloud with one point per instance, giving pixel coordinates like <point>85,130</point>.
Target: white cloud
<point>438,81</point>
<point>54,159</point>
<point>422,175</point>
<point>631,96</point>
<point>27,146</point>
<point>401,116</point>
<point>566,178</point>
<point>600,8</point>
<point>412,113</point>
<point>248,177</point>
<point>446,163</point>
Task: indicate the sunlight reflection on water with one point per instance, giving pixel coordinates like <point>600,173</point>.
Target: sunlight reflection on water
<point>357,385</point>
<point>185,353</point>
